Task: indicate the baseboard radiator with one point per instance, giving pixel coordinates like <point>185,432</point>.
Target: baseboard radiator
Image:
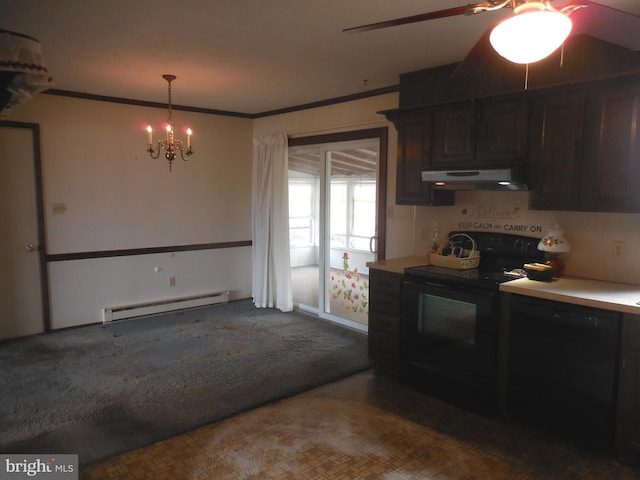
<point>163,306</point>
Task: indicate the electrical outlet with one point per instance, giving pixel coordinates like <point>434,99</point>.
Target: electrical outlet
<point>58,208</point>
<point>172,281</point>
<point>618,249</point>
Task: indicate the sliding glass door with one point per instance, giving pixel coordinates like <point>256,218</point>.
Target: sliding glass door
<point>333,220</point>
<point>351,231</point>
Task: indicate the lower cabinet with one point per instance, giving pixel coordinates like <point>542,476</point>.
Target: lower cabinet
<point>385,292</point>
<point>628,431</point>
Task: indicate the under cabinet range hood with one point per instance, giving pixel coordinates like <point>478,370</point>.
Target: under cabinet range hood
<point>484,179</point>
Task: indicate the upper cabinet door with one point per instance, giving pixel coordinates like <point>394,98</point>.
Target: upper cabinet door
<point>611,164</point>
<point>453,137</point>
<point>484,134</point>
<point>414,154</point>
<point>556,139</point>
<point>501,132</point>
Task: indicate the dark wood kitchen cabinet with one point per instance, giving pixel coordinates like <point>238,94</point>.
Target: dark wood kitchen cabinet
<point>611,160</point>
<point>482,134</point>
<point>453,137</point>
<point>414,156</point>
<point>628,430</point>
<point>385,292</point>
<point>486,134</point>
<point>501,132</point>
<point>556,145</point>
<point>585,149</point>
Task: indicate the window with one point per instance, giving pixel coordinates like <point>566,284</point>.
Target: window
<point>339,214</point>
<point>364,211</point>
<point>301,212</point>
<point>353,204</point>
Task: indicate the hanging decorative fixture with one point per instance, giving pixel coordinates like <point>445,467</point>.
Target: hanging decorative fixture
<point>170,144</point>
<point>534,32</point>
<point>22,70</point>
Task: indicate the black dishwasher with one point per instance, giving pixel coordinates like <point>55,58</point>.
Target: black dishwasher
<point>562,364</point>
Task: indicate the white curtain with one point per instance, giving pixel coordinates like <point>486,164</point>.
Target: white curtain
<point>270,223</point>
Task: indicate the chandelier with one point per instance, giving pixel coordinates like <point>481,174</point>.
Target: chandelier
<point>170,144</point>
<point>534,32</point>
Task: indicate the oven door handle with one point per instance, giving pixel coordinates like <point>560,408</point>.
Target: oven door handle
<point>440,289</point>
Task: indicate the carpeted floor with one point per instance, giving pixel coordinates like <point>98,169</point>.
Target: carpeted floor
<point>102,390</point>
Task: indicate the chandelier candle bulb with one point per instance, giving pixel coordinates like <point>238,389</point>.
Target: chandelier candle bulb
<point>188,138</point>
<point>150,130</point>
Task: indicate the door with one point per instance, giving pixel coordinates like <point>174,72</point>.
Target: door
<point>334,220</point>
<point>20,286</point>
<point>350,230</point>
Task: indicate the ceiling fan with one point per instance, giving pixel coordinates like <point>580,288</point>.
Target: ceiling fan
<point>517,41</point>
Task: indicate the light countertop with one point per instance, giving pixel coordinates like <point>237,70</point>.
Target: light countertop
<point>619,297</point>
<point>397,265</point>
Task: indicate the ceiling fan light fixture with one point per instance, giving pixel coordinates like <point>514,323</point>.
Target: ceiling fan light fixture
<point>533,33</point>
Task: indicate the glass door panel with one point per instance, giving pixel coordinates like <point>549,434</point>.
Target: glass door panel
<point>351,206</point>
<point>332,222</point>
<point>304,227</point>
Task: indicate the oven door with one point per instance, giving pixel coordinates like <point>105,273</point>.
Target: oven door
<point>451,332</point>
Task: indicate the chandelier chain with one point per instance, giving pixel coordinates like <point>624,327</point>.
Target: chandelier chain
<point>170,107</point>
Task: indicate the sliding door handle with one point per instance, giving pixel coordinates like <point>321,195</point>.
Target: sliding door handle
<point>371,240</point>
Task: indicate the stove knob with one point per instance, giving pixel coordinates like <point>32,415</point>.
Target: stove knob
<point>531,246</point>
<point>518,245</point>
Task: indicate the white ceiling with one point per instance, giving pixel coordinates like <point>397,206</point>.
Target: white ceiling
<point>245,56</point>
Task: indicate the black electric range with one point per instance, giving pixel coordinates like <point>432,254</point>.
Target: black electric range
<point>500,253</point>
<point>449,326</point>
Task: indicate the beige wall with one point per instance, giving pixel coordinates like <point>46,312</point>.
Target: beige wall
<point>116,197</point>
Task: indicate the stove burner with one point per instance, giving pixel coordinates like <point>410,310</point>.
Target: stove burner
<point>476,277</point>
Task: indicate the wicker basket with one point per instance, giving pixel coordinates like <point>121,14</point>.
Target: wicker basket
<point>460,259</point>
